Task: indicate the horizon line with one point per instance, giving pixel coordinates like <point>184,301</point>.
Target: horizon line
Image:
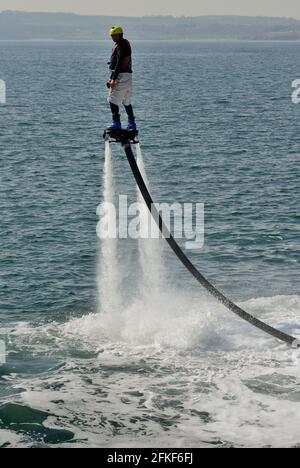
<point>146,16</point>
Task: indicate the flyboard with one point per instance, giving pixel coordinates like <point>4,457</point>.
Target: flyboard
<point>126,139</point>
<point>121,136</point>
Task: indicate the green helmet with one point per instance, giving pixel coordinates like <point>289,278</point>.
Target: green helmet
<point>115,30</point>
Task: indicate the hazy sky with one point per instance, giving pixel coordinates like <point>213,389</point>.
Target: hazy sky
<point>160,7</point>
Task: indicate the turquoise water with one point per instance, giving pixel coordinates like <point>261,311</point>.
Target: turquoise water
<point>217,126</point>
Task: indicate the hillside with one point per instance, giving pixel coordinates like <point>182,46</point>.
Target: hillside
<point>58,26</point>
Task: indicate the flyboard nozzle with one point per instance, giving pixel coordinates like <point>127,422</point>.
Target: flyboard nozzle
<point>121,136</point>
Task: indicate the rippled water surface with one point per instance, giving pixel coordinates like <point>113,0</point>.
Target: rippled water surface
<point>168,366</point>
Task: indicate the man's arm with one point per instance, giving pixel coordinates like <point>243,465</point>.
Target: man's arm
<point>120,57</point>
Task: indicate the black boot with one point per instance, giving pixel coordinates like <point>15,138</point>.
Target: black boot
<point>116,123</point>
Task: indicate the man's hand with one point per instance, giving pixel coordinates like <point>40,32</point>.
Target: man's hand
<point>111,84</point>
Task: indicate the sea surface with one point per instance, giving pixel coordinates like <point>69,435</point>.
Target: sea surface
<point>166,366</point>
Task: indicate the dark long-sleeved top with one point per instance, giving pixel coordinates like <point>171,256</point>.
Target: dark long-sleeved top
<point>120,61</point>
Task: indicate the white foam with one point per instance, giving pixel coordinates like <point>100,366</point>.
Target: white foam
<point>244,383</point>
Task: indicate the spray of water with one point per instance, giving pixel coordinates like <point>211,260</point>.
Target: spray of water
<point>150,249</point>
<point>108,278</point>
<point>155,311</point>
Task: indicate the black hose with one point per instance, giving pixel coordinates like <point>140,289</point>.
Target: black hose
<point>190,267</point>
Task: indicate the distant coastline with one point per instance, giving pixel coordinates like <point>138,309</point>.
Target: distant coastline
<point>68,27</point>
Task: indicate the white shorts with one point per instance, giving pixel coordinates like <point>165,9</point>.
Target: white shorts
<point>122,91</point>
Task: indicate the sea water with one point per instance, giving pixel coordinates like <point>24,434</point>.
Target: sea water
<point>106,347</point>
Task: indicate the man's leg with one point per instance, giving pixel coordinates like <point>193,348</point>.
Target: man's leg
<point>127,103</point>
<point>129,110</point>
<point>115,110</point>
<point>131,117</point>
